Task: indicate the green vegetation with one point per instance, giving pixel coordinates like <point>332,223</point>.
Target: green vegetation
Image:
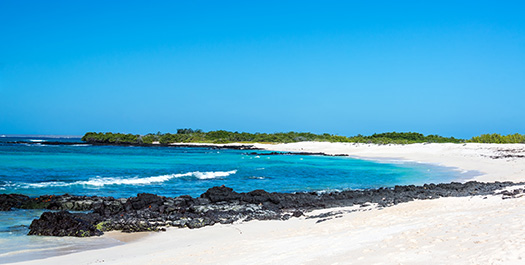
<point>102,226</point>
<point>499,139</point>
<point>403,138</point>
<point>221,136</point>
<point>112,138</point>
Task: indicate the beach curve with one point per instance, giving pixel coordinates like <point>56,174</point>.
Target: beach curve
<point>467,230</point>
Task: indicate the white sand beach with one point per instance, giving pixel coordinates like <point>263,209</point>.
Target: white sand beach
<point>467,230</point>
<point>469,156</point>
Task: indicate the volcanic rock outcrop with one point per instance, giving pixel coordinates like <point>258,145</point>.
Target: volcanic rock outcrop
<point>150,212</point>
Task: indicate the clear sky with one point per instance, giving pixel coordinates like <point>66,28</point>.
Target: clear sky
<point>342,67</point>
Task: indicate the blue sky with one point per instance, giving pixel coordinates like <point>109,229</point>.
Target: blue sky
<point>342,67</point>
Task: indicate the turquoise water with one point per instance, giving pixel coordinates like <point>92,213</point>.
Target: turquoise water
<point>16,246</point>
<point>171,171</point>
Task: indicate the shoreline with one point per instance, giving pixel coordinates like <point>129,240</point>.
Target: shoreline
<point>496,162</point>
<point>208,242</point>
<point>488,159</point>
<point>453,230</point>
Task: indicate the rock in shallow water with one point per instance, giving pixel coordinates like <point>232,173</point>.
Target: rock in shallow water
<point>64,224</point>
<point>9,201</point>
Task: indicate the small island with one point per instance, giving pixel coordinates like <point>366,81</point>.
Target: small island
<point>222,137</point>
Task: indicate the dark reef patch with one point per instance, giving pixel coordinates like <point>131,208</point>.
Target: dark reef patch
<point>211,146</point>
<point>295,153</point>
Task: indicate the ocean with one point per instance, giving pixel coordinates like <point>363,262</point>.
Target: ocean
<point>123,171</point>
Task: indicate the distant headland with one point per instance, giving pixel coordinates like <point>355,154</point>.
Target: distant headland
<point>222,137</point>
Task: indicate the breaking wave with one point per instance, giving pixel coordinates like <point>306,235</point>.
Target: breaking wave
<point>212,175</point>
<point>99,182</point>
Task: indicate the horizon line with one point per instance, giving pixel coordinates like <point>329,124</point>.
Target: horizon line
<point>42,135</point>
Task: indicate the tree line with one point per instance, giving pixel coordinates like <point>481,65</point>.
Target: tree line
<point>222,136</point>
<point>499,139</point>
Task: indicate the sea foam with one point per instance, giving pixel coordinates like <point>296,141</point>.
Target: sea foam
<point>99,181</point>
<point>212,175</point>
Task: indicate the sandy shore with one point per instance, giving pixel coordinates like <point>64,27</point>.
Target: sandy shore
<point>473,230</point>
<point>508,165</point>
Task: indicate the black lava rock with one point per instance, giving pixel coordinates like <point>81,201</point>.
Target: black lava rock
<point>221,194</point>
<point>9,201</point>
<point>150,212</point>
<point>64,224</point>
